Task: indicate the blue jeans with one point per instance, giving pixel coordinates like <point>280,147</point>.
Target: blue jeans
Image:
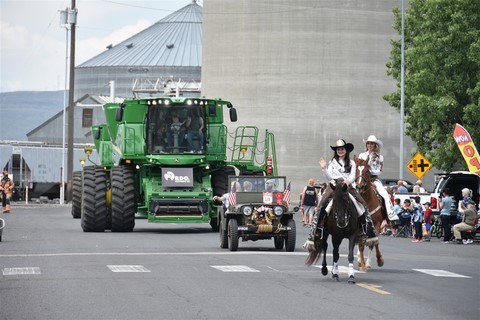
<point>192,135</point>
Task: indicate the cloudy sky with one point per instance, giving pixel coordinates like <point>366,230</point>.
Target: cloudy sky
<point>33,44</point>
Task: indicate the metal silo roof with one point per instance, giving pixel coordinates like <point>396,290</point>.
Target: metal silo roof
<point>176,40</point>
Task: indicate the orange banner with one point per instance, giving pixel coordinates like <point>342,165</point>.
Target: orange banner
<point>467,148</point>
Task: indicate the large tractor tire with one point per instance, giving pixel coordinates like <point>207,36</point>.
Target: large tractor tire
<point>220,187</point>
<point>291,236</point>
<point>220,180</point>
<point>94,208</point>
<point>77,195</point>
<point>123,199</point>
<point>233,235</point>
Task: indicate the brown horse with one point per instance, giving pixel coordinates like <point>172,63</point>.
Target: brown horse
<point>376,207</point>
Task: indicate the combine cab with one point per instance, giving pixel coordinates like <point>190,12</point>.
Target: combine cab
<point>164,159</point>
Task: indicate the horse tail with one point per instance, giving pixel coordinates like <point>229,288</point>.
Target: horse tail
<point>316,253</point>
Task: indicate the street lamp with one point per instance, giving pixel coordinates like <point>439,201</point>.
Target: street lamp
<point>68,19</point>
<point>64,24</point>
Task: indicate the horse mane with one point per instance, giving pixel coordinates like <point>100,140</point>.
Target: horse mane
<point>341,198</point>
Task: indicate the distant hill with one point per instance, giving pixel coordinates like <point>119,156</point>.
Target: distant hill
<point>23,111</point>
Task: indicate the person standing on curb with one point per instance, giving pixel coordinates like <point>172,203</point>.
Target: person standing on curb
<point>445,205</point>
<point>427,218</point>
<point>308,202</point>
<point>417,218</point>
<point>6,189</point>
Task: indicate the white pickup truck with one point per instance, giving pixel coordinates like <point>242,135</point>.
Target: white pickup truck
<point>455,181</point>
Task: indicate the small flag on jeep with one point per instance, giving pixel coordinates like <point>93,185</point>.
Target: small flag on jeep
<point>286,194</point>
<point>232,196</point>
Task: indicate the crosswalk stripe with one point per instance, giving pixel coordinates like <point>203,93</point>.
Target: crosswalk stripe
<point>235,269</point>
<point>441,273</point>
<point>127,268</point>
<point>20,271</point>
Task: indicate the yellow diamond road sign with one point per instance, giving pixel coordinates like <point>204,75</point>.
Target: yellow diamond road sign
<point>419,165</point>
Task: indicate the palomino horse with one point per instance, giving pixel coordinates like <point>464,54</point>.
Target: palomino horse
<point>342,222</point>
<point>377,210</point>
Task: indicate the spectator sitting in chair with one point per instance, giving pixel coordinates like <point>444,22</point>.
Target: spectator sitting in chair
<point>468,221</point>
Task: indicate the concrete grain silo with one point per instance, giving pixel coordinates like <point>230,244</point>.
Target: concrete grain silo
<point>311,71</point>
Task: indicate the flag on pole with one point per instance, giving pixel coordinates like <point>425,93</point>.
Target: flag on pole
<point>232,196</point>
<point>467,148</point>
<point>286,194</point>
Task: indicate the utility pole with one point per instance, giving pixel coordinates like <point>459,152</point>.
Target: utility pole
<point>72,19</point>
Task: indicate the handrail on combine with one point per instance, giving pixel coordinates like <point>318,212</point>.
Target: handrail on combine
<point>270,151</point>
<point>244,145</point>
<point>248,152</point>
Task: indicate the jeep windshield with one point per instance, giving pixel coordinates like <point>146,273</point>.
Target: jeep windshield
<point>258,184</point>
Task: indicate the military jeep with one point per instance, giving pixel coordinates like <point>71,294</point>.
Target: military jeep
<point>256,208</point>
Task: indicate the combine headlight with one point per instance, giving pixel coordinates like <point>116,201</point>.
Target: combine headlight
<point>247,211</point>
<point>278,211</point>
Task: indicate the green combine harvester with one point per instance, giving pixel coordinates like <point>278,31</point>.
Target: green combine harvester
<point>164,159</point>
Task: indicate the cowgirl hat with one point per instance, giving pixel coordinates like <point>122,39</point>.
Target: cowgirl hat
<point>342,144</point>
<point>372,138</point>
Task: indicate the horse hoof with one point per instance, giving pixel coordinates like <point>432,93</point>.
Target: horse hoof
<point>324,271</point>
<point>351,279</point>
<point>380,263</point>
<point>335,277</point>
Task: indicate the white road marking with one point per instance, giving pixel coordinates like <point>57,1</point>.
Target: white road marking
<point>235,269</point>
<point>20,271</point>
<point>127,268</point>
<point>236,253</point>
<point>341,269</point>
<point>441,273</point>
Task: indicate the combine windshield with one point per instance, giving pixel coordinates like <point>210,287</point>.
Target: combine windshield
<point>175,129</point>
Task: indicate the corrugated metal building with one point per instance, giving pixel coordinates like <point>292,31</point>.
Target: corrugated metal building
<point>168,51</point>
<point>88,111</point>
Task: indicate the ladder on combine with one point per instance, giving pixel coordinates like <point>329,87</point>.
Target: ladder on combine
<point>252,154</point>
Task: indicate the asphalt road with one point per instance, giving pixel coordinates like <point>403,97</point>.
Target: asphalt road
<point>51,269</point>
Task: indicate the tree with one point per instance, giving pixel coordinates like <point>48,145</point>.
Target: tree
<point>442,75</point>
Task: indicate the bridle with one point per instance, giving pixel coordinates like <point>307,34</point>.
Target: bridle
<point>362,172</point>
